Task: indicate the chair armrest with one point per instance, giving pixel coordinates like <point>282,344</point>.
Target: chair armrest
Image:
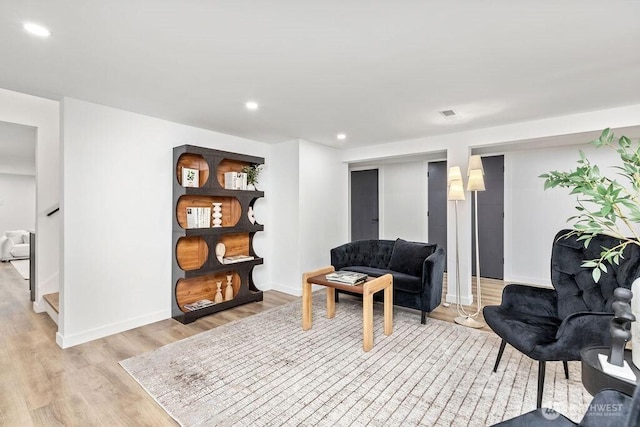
<point>607,409</point>
<point>530,300</point>
<point>586,329</point>
<point>432,277</point>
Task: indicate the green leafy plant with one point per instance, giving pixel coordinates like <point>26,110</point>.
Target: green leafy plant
<point>604,205</point>
<point>252,171</point>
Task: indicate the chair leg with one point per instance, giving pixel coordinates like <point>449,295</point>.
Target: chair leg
<point>503,344</point>
<point>541,368</point>
<point>566,369</point>
<point>423,319</point>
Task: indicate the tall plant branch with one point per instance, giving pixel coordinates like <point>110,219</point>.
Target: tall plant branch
<point>619,206</point>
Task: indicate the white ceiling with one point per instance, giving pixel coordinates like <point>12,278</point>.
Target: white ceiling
<point>378,70</point>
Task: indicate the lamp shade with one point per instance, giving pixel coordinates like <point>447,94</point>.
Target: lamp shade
<point>456,190</point>
<point>454,174</point>
<point>475,163</point>
<point>476,180</point>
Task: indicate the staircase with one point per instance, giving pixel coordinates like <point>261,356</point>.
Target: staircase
<point>52,305</point>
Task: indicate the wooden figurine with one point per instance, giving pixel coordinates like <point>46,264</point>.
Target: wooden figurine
<point>228,292</point>
<point>218,297</point>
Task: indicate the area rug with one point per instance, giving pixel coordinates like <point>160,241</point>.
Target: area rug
<point>22,265</point>
<point>265,371</point>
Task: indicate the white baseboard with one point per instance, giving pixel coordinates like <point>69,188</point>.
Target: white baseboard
<point>294,290</point>
<point>287,289</point>
<point>536,281</point>
<point>40,306</point>
<point>451,298</point>
<point>66,341</point>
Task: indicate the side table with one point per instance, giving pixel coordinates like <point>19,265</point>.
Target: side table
<point>595,379</point>
<point>367,289</point>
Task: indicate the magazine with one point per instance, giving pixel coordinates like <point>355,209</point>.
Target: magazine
<point>236,258</point>
<point>347,277</point>
<point>198,304</point>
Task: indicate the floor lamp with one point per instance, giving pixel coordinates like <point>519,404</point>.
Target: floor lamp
<point>456,193</point>
<point>475,174</point>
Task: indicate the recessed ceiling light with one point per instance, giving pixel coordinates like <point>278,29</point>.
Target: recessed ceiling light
<point>37,30</point>
<point>448,113</point>
<point>251,105</point>
<point>341,136</point>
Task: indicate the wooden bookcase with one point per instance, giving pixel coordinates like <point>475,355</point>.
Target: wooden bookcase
<point>196,268</point>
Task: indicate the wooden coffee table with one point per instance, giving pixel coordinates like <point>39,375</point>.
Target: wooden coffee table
<point>367,289</point>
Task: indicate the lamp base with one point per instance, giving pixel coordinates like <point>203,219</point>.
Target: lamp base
<point>468,322</point>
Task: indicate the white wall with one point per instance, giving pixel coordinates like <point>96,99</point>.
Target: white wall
<point>117,213</point>
<point>44,115</point>
<point>458,146</point>
<point>284,254</point>
<point>534,216</point>
<point>17,202</point>
<point>403,201</point>
<point>323,205</point>
<point>309,215</point>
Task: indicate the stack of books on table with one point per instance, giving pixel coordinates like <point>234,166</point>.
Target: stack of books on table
<point>199,304</point>
<point>347,277</point>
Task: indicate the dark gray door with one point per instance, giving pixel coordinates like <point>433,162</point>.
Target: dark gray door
<point>364,204</point>
<point>490,220</point>
<point>437,199</point>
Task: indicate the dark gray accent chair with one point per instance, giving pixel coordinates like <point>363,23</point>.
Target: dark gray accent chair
<point>609,408</point>
<point>417,269</point>
<point>555,324</point>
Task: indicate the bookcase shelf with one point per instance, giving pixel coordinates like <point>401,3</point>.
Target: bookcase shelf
<point>196,268</point>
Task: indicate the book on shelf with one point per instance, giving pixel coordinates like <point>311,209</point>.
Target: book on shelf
<point>198,304</point>
<point>190,177</point>
<point>235,181</point>
<point>192,218</point>
<point>346,277</point>
<point>236,258</point>
<point>198,217</point>
<point>204,218</point>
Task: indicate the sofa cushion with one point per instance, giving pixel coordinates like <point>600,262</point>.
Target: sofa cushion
<point>20,251</point>
<point>408,257</point>
<point>401,282</point>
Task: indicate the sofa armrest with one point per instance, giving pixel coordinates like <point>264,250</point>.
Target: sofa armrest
<point>432,278</point>
<point>5,246</point>
<point>339,257</point>
<point>530,300</point>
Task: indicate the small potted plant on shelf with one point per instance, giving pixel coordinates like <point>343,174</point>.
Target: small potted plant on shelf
<point>252,171</point>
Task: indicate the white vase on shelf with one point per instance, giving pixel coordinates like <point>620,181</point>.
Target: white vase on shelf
<point>635,326</point>
<point>252,219</point>
<point>217,215</point>
<point>221,249</point>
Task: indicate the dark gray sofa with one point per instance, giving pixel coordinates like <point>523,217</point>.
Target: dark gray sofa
<point>417,269</point>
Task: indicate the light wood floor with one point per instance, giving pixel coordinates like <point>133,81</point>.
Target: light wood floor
<point>41,384</point>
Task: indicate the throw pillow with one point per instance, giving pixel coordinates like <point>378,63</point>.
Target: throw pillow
<point>15,236</point>
<point>408,257</point>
